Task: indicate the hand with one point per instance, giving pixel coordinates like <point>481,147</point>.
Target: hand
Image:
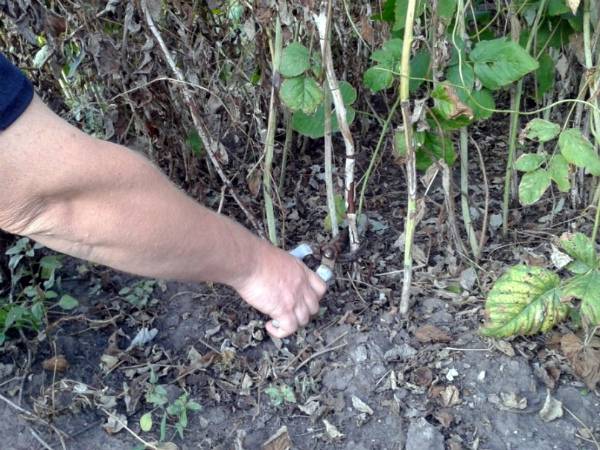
<point>283,288</point>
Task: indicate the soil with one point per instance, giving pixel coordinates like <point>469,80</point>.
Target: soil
<point>362,376</point>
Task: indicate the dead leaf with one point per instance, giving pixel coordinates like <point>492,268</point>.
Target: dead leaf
<point>585,360</point>
<point>422,376</point>
<point>361,406</point>
<point>573,4</point>
<point>254,180</point>
<point>163,446</point>
<point>332,431</point>
<point>431,333</point>
<point>504,347</point>
<point>56,364</point>
<point>115,423</point>
<point>512,401</point>
<point>444,417</point>
<point>279,441</point>
<point>450,396</point>
<point>552,409</point>
<point>458,107</point>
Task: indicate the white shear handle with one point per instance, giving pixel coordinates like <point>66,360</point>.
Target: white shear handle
<point>304,250</point>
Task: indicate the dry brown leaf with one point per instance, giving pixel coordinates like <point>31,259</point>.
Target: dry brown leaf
<point>279,441</point>
<point>450,396</point>
<point>422,376</point>
<point>254,180</point>
<point>56,364</point>
<point>444,416</point>
<point>459,108</point>
<point>431,333</point>
<point>585,360</point>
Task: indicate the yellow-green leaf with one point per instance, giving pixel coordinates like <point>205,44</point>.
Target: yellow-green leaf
<point>559,172</point>
<point>529,162</point>
<point>295,60</point>
<point>532,186</point>
<point>579,151</point>
<point>524,301</point>
<point>301,94</point>
<point>586,287</point>
<point>541,130</point>
<point>146,422</point>
<point>581,249</point>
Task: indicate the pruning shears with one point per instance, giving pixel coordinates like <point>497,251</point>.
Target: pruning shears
<point>326,255</point>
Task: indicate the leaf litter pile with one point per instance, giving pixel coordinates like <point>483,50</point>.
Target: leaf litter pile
<point>131,363</point>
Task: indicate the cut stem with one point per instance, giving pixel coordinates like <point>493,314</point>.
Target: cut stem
<point>270,139</point>
<point>411,171</point>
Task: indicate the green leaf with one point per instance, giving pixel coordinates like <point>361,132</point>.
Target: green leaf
<point>313,125</point>
<point>462,78</point>
<point>381,76</point>
<point>146,422</point>
<point>559,172</point>
<point>586,287</point>
<point>541,130</point>
<point>301,94</point>
<point>434,147</point>
<point>532,186</point>
<point>529,162</point>
<point>446,8</point>
<point>545,75</point>
<point>557,8</point>
<point>524,301</point>
<point>295,60</point>
<point>340,210</point>
<point>68,303</point>
<point>579,247</point>
<point>579,151</point>
<point>419,69</point>
<point>157,396</point>
<point>193,406</point>
<point>500,62</point>
<point>400,8</point>
<point>194,143</point>
<point>482,103</point>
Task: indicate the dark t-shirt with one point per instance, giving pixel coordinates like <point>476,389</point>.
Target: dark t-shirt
<point>16,93</point>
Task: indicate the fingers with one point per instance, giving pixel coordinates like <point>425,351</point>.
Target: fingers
<point>317,284</point>
<point>283,326</point>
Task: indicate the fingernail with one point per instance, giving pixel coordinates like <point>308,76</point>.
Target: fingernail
<point>275,323</point>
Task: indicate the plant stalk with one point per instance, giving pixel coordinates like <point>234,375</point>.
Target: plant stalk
<point>464,192</point>
<point>411,171</point>
<point>270,139</point>
<point>514,123</point>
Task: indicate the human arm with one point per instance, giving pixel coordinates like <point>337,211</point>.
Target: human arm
<point>101,202</point>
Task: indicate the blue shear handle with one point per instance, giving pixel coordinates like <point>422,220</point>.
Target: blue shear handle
<point>304,250</point>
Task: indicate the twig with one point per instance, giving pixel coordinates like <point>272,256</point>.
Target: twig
<point>212,148</point>
<point>588,429</point>
<point>305,348</point>
<point>486,188</point>
<point>124,425</point>
<point>39,439</point>
<point>340,112</point>
<point>316,355</point>
<point>32,416</point>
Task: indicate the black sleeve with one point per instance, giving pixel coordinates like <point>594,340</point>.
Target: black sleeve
<point>16,93</point>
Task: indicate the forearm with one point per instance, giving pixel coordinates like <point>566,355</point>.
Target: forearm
<point>102,202</point>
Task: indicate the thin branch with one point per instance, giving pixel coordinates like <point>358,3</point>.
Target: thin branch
<point>212,149</point>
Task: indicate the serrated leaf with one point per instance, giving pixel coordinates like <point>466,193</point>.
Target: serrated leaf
<point>400,8</point>
<point>295,60</point>
<point>545,75</point>
<point>482,103</point>
<point>67,302</point>
<point>146,422</point>
<point>532,186</point>
<point>446,8</point>
<point>579,247</point>
<point>462,78</point>
<point>529,162</point>
<point>541,130</point>
<point>559,172</point>
<point>557,7</point>
<point>420,66</point>
<point>381,76</point>
<point>586,287</point>
<point>579,151</point>
<point>301,94</point>
<point>500,62</point>
<point>448,105</point>
<point>313,125</point>
<point>524,301</point>
<point>434,147</point>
